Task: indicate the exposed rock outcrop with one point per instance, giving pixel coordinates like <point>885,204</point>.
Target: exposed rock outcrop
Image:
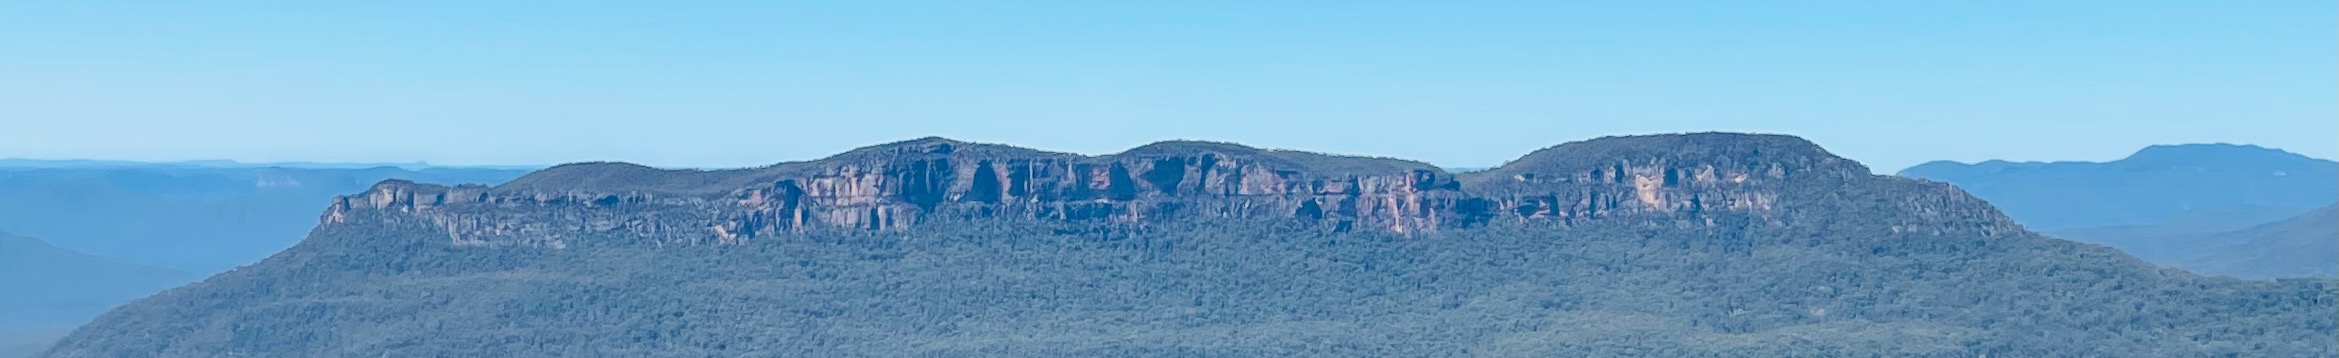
<point>1688,178</point>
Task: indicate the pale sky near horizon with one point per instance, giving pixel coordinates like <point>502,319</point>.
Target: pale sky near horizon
<point>1459,84</point>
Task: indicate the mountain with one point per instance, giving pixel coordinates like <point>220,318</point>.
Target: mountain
<point>2303,246</point>
<point>15,344</point>
<point>2175,240</point>
<point>2169,204</point>
<point>15,163</point>
<point>1704,244</point>
<point>45,290</point>
<point>2222,185</point>
<point>2306,245</point>
<point>197,219</point>
<point>42,285</point>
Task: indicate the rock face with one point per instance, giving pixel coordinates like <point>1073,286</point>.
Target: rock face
<point>1682,179</point>
<point>1691,245</point>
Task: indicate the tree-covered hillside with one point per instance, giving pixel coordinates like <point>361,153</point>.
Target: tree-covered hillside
<point>1237,288</point>
<point>1703,245</point>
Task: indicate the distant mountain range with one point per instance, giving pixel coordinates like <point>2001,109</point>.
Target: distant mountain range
<point>14,344</point>
<point>135,218</point>
<point>15,163</point>
<point>1686,245</point>
<point>2302,246</point>
<point>2214,208</point>
<point>45,289</point>
<point>2232,184</point>
<point>191,217</point>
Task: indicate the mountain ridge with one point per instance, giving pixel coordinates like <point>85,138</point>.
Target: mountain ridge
<point>1667,245</point>
<point>192,219</point>
<point>2154,185</point>
<point>2150,153</point>
<point>891,186</point>
<point>1285,159</point>
<point>931,147</point>
<point>45,286</point>
<point>2302,246</point>
<point>27,163</point>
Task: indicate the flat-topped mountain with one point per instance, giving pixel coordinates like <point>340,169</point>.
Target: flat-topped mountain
<point>1708,244</point>
<point>621,177</point>
<point>896,185</point>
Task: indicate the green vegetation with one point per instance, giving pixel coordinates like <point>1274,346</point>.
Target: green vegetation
<point>1309,162</point>
<point>1754,152</point>
<point>626,177</point>
<point>611,177</point>
<point>1226,288</point>
<point>1813,257</point>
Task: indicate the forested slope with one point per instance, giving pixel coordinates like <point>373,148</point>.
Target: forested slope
<point>1678,245</point>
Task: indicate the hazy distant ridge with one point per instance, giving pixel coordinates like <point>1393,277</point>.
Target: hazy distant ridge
<point>2153,185</point>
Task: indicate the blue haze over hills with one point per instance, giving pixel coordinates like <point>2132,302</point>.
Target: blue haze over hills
<point>2214,208</point>
<point>2218,209</point>
<point>46,290</point>
<point>2233,184</point>
<point>194,216</point>
<point>78,237</point>
<point>1704,244</point>
<point>2226,209</point>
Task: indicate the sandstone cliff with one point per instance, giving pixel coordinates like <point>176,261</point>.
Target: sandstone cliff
<point>1685,179</point>
<point>1669,245</point>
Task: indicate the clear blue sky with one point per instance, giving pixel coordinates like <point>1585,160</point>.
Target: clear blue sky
<point>1890,83</point>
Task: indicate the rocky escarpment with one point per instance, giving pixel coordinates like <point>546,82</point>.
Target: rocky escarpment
<point>1672,245</point>
<point>1687,179</point>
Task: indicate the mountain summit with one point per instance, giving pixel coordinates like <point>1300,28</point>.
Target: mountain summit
<point>2218,155</point>
<point>1708,244</point>
<point>2155,185</point>
<point>896,185</point>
